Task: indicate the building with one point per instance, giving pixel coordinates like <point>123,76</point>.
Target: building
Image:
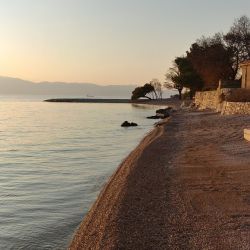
<point>245,67</point>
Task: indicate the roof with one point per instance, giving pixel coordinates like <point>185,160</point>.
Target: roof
<point>245,63</point>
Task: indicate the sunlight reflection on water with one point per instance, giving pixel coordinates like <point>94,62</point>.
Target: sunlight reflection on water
<point>54,158</point>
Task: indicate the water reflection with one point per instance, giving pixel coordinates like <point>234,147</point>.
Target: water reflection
<point>54,159</point>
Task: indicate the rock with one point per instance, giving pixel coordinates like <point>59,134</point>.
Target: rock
<point>133,124</point>
<point>162,116</point>
<point>164,113</point>
<point>125,124</point>
<point>154,117</point>
<point>129,124</point>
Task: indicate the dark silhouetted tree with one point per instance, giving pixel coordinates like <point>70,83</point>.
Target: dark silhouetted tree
<point>237,41</point>
<point>142,92</point>
<point>157,88</point>
<point>173,79</point>
<point>211,60</point>
<point>185,75</point>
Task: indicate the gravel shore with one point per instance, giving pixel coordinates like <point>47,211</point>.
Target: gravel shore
<point>186,186</point>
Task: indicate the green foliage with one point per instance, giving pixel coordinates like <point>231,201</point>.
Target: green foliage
<point>211,60</point>
<point>218,57</point>
<point>183,75</point>
<point>188,76</point>
<point>142,92</point>
<point>237,41</point>
<point>173,79</point>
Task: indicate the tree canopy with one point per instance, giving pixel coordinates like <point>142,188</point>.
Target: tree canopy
<point>173,79</point>
<point>208,60</point>
<point>182,74</point>
<point>237,41</point>
<point>211,60</point>
<point>142,92</point>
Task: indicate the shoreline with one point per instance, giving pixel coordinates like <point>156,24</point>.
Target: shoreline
<point>184,186</point>
<point>99,215</point>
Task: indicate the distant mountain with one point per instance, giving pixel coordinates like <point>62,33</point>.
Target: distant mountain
<point>15,86</point>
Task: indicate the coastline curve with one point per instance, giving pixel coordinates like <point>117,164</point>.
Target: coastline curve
<point>112,215</point>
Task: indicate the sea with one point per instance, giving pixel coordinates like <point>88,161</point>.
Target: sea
<point>54,160</point>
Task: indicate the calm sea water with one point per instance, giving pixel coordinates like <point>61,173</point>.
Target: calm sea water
<point>54,159</point>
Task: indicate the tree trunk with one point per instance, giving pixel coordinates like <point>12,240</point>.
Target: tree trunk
<point>179,90</point>
<point>148,97</point>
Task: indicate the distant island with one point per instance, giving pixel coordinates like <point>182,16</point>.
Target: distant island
<point>15,86</point>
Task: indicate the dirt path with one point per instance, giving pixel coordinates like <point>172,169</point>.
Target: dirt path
<point>186,186</point>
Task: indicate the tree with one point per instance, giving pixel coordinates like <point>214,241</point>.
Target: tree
<point>237,41</point>
<point>189,76</point>
<point>186,76</point>
<point>157,88</point>
<point>173,79</point>
<point>211,60</point>
<point>143,91</point>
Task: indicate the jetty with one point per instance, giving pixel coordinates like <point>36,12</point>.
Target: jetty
<point>88,100</point>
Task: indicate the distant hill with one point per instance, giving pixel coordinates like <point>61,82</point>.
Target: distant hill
<point>15,86</point>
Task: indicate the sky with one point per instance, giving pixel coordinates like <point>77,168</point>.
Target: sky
<point>105,41</point>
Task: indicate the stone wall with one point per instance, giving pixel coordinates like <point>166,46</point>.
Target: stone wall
<point>227,100</point>
<point>235,95</point>
<point>206,99</point>
<point>230,108</point>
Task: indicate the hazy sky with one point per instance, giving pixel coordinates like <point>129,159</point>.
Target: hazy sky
<point>105,41</point>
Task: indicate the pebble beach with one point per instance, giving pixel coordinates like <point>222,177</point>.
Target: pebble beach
<point>185,186</point>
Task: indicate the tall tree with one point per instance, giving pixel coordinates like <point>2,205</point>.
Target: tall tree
<point>190,78</point>
<point>237,41</point>
<point>157,88</point>
<point>182,74</point>
<point>173,79</point>
<point>211,60</point>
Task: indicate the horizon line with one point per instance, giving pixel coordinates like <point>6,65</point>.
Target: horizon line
<point>69,82</point>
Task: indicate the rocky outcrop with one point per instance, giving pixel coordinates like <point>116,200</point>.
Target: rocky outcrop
<point>154,117</point>
<point>129,124</point>
<point>164,113</point>
<point>161,113</point>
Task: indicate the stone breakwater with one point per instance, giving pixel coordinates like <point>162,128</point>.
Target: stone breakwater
<point>89,100</point>
<point>159,102</point>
